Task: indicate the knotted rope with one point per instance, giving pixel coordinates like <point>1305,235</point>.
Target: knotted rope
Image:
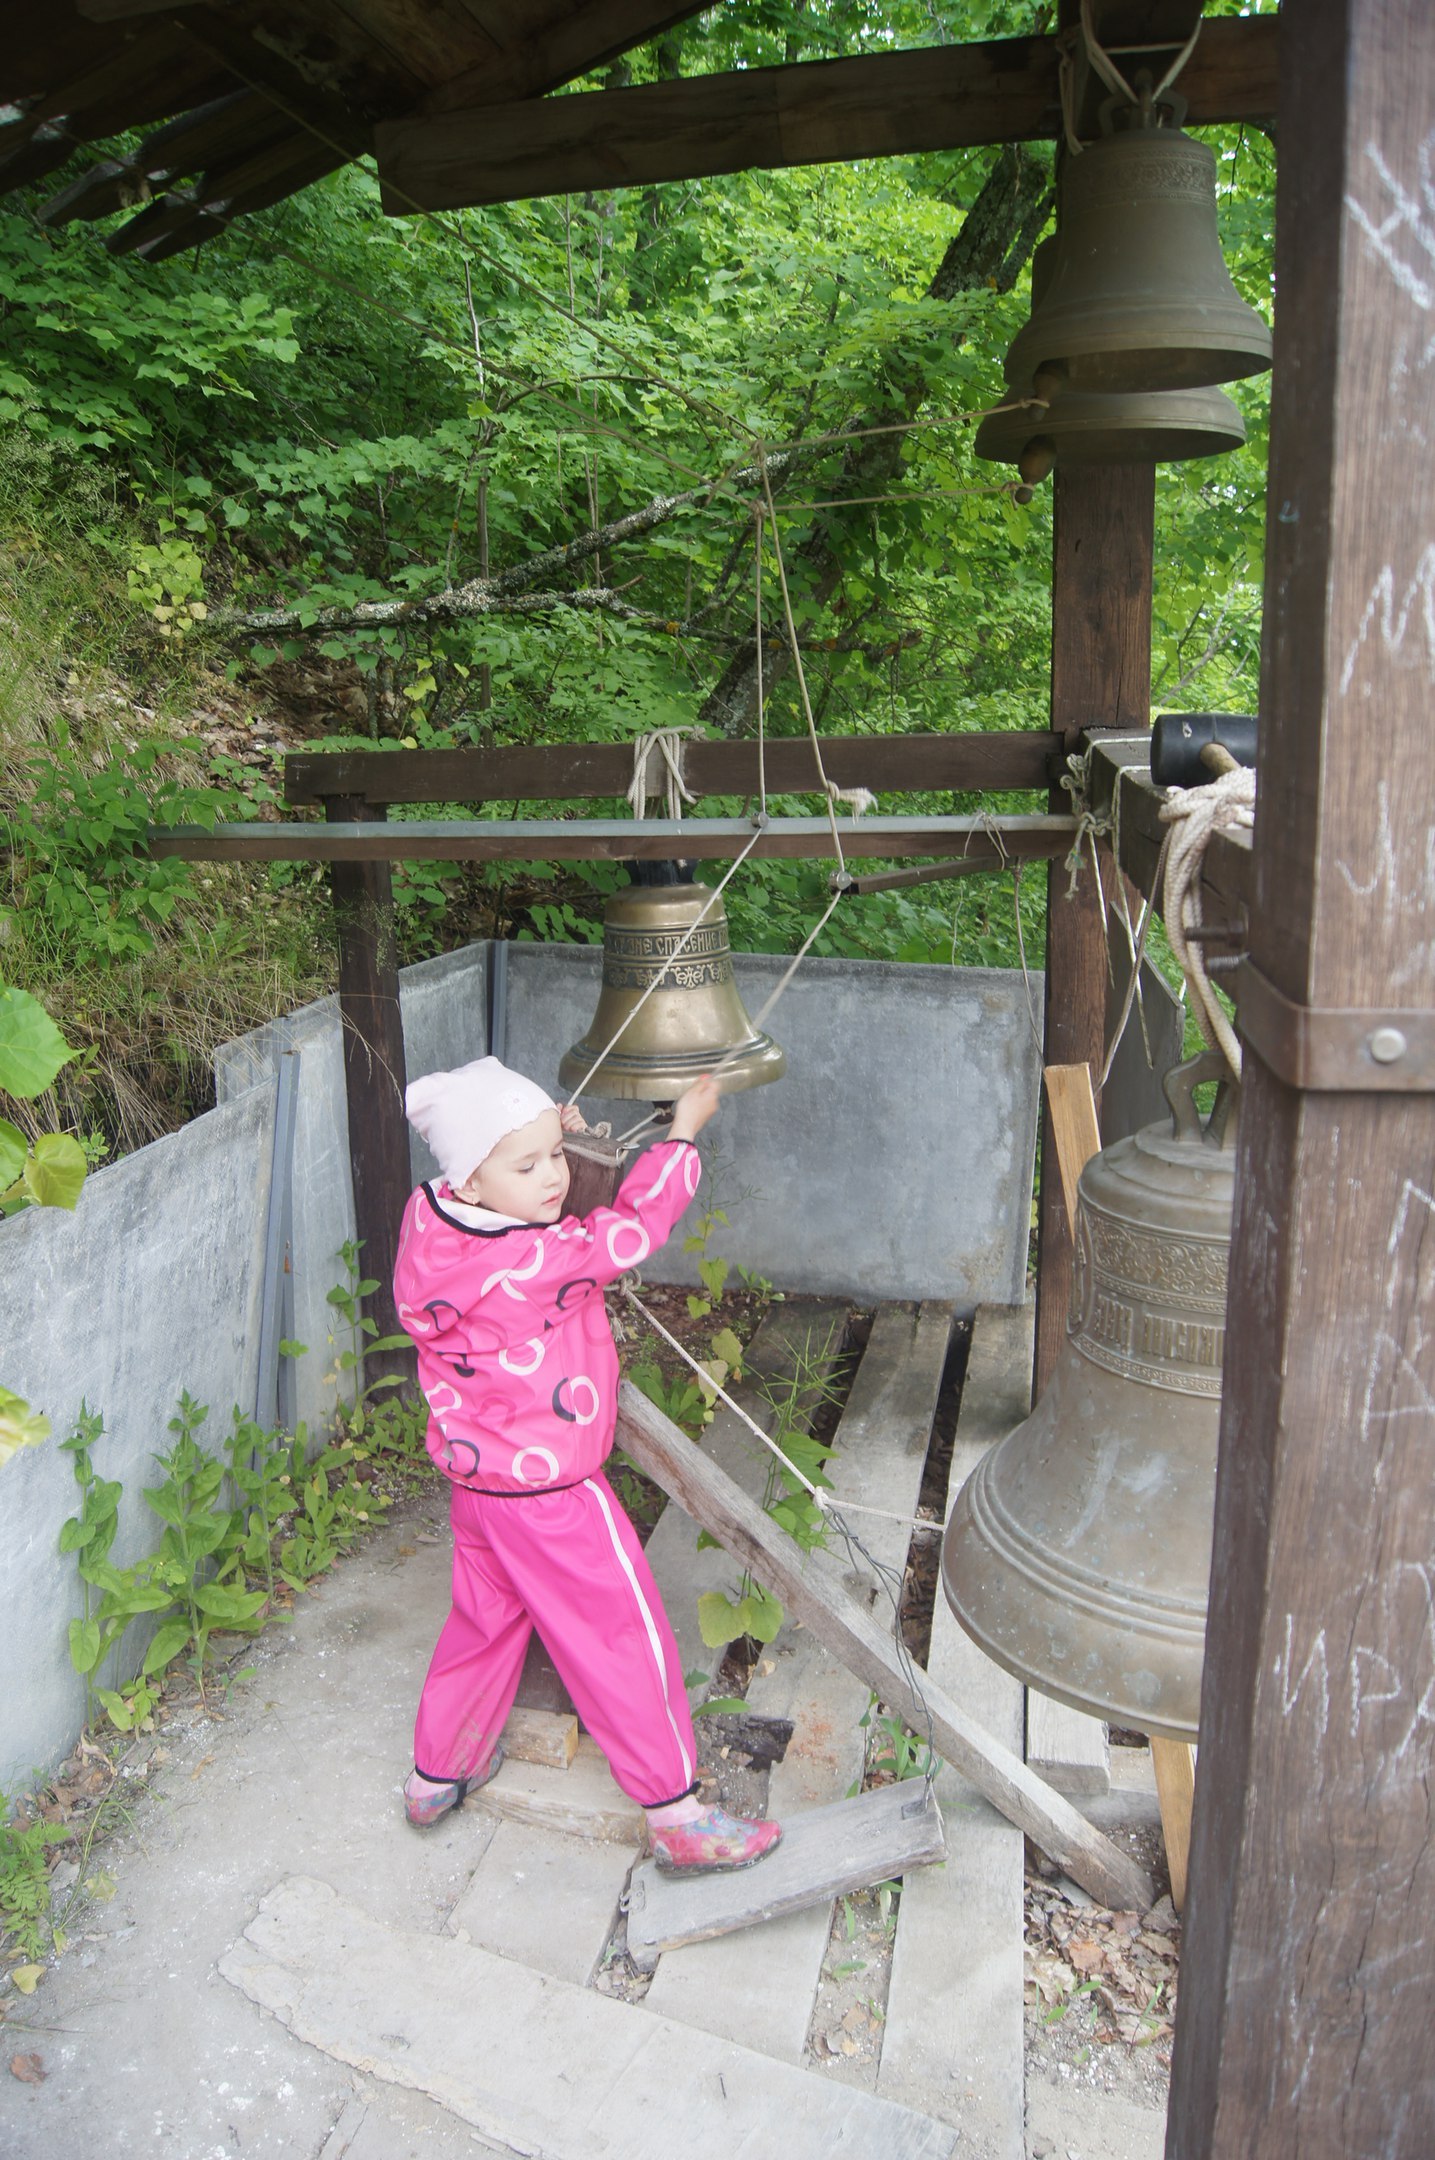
<point>667,744</point>
<point>1225,804</point>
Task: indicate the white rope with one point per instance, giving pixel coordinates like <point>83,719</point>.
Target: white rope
<point>667,744</point>
<point>814,1492</point>
<point>824,783</point>
<point>797,959</point>
<point>1225,804</point>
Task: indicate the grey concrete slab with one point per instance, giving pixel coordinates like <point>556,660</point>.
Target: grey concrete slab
<point>953,2041</point>
<point>558,2072</point>
<point>145,2048</point>
<point>816,1169</point>
<point>150,1287</point>
<point>530,1879</point>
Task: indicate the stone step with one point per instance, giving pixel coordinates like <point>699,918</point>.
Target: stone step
<point>539,2066</point>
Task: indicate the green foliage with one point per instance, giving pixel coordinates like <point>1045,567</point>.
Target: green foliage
<point>24,1878</point>
<point>238,1524</point>
<point>894,1751</point>
<point>87,884</point>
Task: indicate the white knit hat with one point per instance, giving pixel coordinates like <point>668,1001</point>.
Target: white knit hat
<point>465,1113</point>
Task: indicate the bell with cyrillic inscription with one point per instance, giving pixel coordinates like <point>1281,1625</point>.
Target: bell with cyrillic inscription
<point>1079,1551</point>
<point>665,948</point>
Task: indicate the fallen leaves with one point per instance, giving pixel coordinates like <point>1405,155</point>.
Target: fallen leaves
<point>29,2069</point>
<point>27,1977</point>
<point>1124,1963</point>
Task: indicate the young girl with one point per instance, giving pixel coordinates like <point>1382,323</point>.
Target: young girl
<point>503,1295</point>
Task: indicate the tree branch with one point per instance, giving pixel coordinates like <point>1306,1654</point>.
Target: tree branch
<point>585,600</point>
<point>497,595</point>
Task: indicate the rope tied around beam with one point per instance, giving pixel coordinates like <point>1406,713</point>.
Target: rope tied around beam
<point>666,745</point>
<point>1225,804</point>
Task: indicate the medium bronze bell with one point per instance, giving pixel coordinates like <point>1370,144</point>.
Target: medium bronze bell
<point>1079,1551</point>
<point>693,1020</point>
<point>1140,298</point>
<point>1086,427</point>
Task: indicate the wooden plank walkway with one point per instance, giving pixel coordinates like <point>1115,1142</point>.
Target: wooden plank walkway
<point>760,1988</point>
<point>953,2039</point>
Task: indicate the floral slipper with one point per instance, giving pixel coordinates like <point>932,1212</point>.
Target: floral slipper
<point>426,1807</point>
<point>712,1843</point>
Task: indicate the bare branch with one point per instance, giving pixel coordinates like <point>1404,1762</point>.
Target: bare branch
<point>497,595</point>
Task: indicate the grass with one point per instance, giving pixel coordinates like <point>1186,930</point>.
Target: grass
<point>79,674</point>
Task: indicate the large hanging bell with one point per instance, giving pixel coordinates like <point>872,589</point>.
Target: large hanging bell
<point>692,1021</point>
<point>1079,1551</point>
<point>1140,298</point>
<point>1085,427</point>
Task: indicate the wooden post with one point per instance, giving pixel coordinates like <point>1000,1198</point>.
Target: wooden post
<point>1100,678</point>
<point>1309,1965</point>
<point>374,1074</point>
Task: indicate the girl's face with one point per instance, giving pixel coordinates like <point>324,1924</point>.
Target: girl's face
<point>526,1175</point>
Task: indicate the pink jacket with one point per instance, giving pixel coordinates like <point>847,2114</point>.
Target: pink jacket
<point>515,1354</point>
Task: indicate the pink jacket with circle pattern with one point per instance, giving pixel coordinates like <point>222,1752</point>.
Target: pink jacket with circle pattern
<point>515,1353</point>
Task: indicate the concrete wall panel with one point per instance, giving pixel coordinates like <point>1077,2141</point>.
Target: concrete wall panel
<point>894,1159</point>
<point>152,1286</point>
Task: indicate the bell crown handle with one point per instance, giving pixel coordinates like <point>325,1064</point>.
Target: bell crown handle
<point>1179,1086</point>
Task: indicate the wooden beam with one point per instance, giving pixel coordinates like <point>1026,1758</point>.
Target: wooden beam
<point>1123,791</point>
<point>720,1506</point>
<point>555,772</point>
<point>374,1078</point>
<point>940,97</point>
<point>574,40</point>
<point>1100,679</point>
<point>599,839</point>
<point>1308,1968</point>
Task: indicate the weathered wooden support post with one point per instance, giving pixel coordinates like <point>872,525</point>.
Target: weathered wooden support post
<point>1309,1971</point>
<point>1100,678</point>
<point>374,1073</point>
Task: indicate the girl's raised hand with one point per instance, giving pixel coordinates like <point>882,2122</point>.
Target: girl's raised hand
<point>571,1118</point>
<point>694,1107</point>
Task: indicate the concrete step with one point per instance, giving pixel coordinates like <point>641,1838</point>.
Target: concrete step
<point>539,2066</point>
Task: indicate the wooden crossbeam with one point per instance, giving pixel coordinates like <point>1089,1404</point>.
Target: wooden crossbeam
<point>1033,838</point>
<point>723,1509</point>
<point>877,105</point>
<point>1122,763</point>
<point>554,772</point>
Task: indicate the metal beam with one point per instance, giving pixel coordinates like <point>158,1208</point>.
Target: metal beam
<point>605,839</point>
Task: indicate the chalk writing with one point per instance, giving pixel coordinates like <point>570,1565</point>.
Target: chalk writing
<point>1392,620</point>
<point>1404,237</point>
<point>1317,1664</point>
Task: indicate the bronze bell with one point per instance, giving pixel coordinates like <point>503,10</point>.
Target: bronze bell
<point>1140,298</point>
<point>692,1021</point>
<point>1086,427</point>
<point>1079,1551</point>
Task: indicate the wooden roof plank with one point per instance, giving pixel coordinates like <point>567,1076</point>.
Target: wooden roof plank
<point>539,54</point>
<point>883,104</point>
<point>196,217</point>
<point>225,128</point>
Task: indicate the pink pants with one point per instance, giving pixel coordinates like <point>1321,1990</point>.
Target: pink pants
<point>570,1563</point>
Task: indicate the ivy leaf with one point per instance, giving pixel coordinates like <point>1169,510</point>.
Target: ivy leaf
<point>20,1426</point>
<point>32,1049</point>
<point>55,1171</point>
<point>717,1619</point>
<point>13,1149</point>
